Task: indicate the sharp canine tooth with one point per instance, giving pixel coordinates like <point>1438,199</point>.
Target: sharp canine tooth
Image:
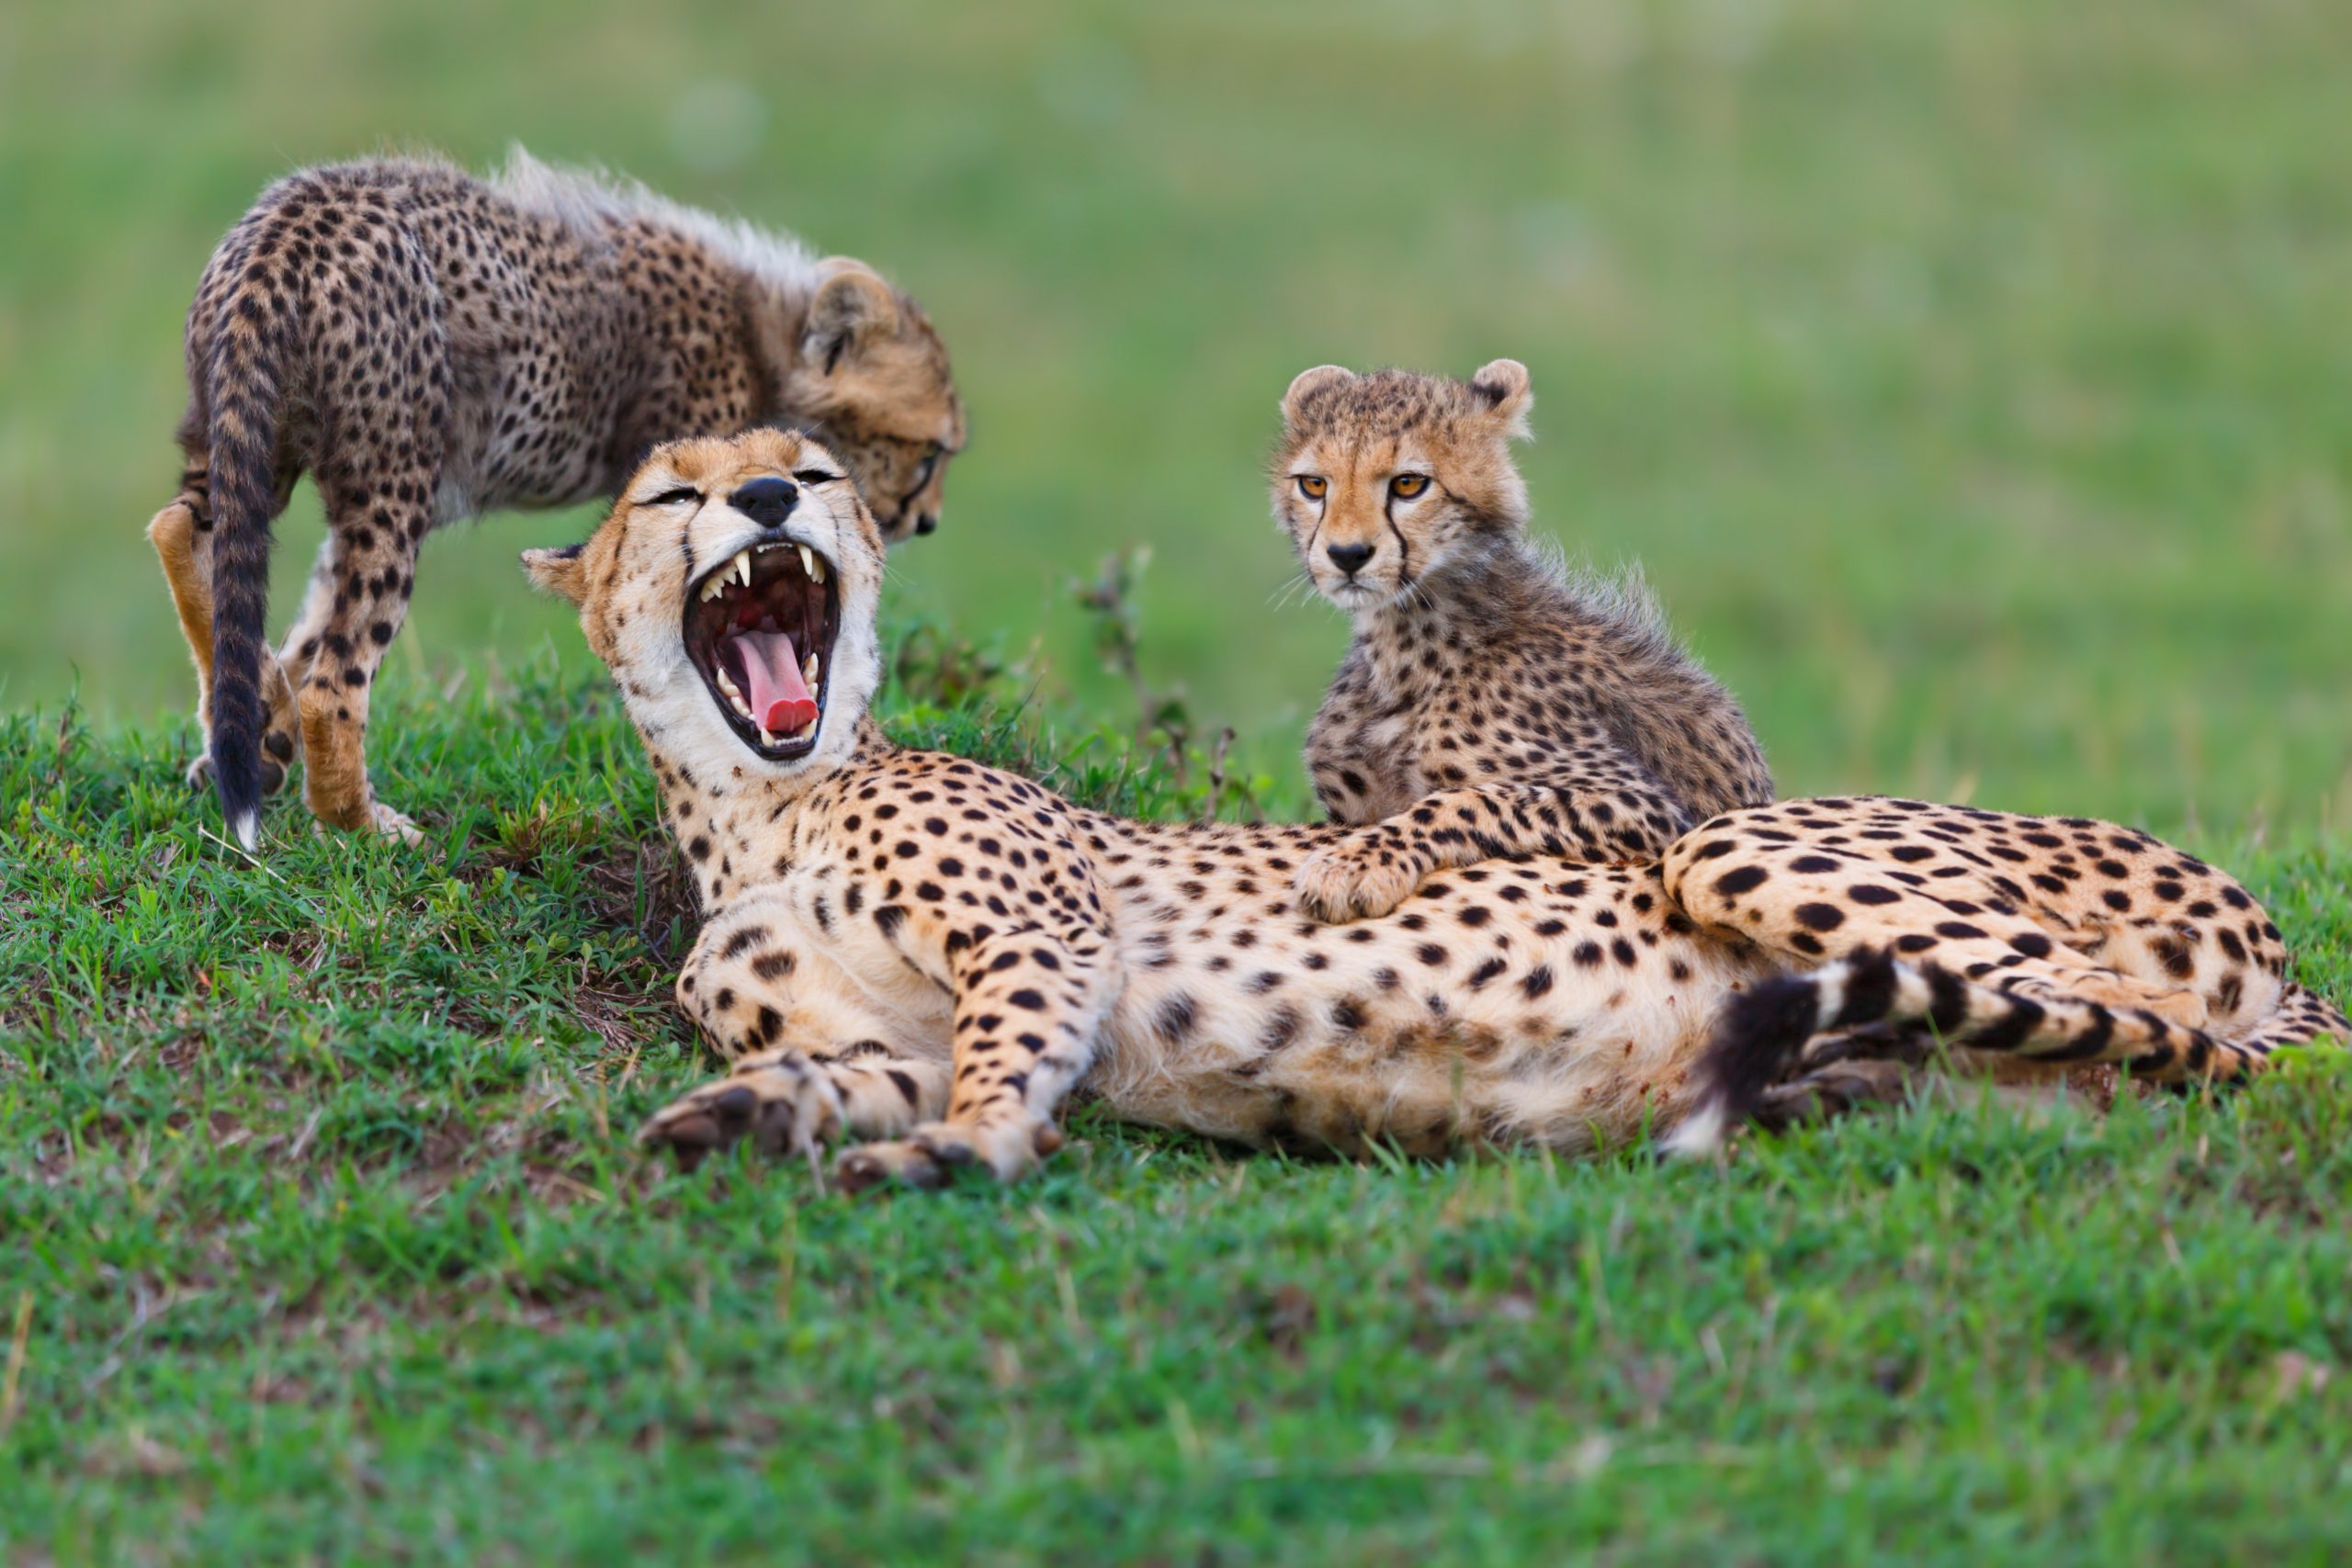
<point>816,569</point>
<point>765,739</point>
<point>743,566</point>
<point>808,669</point>
<point>807,561</point>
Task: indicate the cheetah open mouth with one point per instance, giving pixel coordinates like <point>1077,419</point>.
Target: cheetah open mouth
<point>760,627</point>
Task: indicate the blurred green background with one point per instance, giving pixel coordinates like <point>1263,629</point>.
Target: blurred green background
<point>1971,379</point>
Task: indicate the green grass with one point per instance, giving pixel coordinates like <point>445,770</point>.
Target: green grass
<point>316,1192</point>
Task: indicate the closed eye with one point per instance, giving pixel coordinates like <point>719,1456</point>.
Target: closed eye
<point>672,497</point>
<point>814,476</point>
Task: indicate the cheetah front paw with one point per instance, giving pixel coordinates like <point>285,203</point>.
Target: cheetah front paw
<point>1009,1147</point>
<point>1354,881</point>
<point>776,1098</point>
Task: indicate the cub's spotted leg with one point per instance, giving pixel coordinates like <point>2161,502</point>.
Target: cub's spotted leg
<point>1370,870</point>
<point>810,1062</point>
<point>1809,903</point>
<point>300,648</point>
<point>378,514</point>
<point>1029,1007</point>
<point>182,535</point>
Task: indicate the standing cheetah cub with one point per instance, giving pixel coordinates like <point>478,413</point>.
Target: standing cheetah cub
<point>912,948</point>
<point>1489,705</point>
<point>431,345</point>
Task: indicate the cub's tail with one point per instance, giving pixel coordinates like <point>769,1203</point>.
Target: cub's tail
<point>245,394</point>
<point>1762,1033</point>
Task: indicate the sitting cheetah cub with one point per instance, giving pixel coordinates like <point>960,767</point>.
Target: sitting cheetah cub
<point>431,345</point>
<point>912,948</point>
<point>1490,705</point>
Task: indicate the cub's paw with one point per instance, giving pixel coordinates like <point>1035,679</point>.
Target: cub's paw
<point>776,1098</point>
<point>1356,879</point>
<point>391,824</point>
<point>1009,1147</point>
<point>377,819</point>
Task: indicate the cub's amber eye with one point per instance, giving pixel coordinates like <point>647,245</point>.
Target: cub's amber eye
<point>1313,486</point>
<point>1405,487</point>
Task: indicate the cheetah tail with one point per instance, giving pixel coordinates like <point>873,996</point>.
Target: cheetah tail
<point>1761,1032</point>
<point>244,395</point>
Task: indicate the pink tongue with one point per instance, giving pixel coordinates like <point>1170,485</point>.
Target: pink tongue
<point>779,697</point>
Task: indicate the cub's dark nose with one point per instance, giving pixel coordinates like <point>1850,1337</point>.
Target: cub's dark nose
<point>928,522</point>
<point>1348,557</point>
<point>765,501</point>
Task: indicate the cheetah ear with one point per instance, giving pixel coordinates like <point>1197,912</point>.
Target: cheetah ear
<point>852,306</point>
<point>1306,383</point>
<point>563,571</point>
<point>1501,385</point>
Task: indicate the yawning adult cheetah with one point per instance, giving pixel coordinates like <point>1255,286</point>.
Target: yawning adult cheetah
<point>430,345</point>
<point>914,947</point>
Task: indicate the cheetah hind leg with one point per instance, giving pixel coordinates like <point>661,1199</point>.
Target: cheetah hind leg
<point>185,551</point>
<point>1810,905</point>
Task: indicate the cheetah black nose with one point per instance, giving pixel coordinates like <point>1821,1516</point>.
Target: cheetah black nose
<point>1348,557</point>
<point>927,522</point>
<point>765,501</point>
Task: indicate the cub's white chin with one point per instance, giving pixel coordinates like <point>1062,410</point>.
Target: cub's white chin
<point>1357,598</point>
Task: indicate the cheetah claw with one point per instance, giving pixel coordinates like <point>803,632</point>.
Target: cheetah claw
<point>1008,1148</point>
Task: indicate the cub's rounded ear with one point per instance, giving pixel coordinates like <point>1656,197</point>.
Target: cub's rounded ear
<point>853,306</point>
<point>1501,388</point>
<point>560,571</point>
<point>1306,383</point>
